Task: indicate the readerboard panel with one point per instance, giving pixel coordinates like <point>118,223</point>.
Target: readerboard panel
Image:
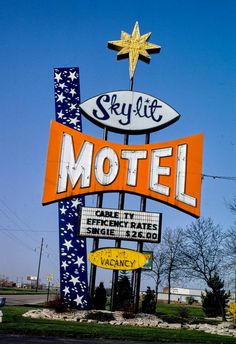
<point>120,224</point>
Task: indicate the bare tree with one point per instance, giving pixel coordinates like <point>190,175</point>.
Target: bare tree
<point>166,259</point>
<point>231,235</point>
<point>232,205</point>
<point>203,250</point>
<point>231,244</point>
<point>158,266</point>
<point>231,248</point>
<point>173,242</point>
<point>231,254</point>
<point>203,255</point>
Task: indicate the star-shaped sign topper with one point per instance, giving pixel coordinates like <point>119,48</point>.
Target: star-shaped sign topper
<point>135,47</point>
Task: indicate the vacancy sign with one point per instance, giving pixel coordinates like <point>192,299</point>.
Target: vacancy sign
<point>117,258</point>
<point>79,164</point>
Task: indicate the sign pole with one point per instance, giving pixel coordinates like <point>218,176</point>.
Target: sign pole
<point>115,274</point>
<point>121,202</point>
<point>129,43</point>
<point>93,268</point>
<point>137,273</point>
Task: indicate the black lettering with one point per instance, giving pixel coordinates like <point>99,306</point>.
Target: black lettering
<point>95,230</point>
<point>127,263</point>
<point>139,106</point>
<point>114,106</point>
<point>106,99</point>
<point>145,111</point>
<point>112,260</point>
<point>104,222</point>
<point>153,108</point>
<point>128,114</point>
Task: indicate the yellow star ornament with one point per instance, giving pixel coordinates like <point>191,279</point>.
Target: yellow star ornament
<point>134,46</point>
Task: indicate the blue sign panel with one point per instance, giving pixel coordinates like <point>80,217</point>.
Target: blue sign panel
<point>73,262</point>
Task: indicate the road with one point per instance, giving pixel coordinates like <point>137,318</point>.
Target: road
<point>16,339</point>
<point>25,299</point>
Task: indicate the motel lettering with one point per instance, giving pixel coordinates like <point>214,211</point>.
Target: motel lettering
<point>79,164</point>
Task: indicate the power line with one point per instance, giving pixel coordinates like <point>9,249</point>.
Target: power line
<point>27,230</point>
<point>15,238</point>
<point>15,219</point>
<point>21,225</point>
<point>218,177</point>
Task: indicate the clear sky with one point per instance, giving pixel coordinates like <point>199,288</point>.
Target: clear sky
<point>195,73</point>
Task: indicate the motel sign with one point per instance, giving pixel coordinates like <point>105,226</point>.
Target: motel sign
<point>79,165</point>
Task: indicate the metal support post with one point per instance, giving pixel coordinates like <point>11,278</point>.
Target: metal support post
<point>93,269</point>
<point>137,274</point>
<point>115,274</point>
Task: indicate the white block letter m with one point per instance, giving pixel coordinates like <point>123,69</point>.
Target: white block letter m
<point>71,169</point>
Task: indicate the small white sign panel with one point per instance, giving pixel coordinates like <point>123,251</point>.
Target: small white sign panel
<point>128,111</point>
<point>120,224</point>
<point>31,278</point>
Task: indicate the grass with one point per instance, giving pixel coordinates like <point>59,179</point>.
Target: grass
<point>175,313</point>
<point>14,323</point>
<point>22,291</point>
<point>171,309</point>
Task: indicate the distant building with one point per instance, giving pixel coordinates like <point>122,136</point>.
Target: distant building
<point>182,294</point>
<point>5,283</point>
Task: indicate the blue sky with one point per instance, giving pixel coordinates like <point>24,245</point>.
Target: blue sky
<point>195,73</point>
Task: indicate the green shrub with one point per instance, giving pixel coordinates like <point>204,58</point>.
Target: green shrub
<point>183,313</point>
<point>128,315</point>
<point>190,300</point>
<point>124,293</point>
<point>171,319</point>
<point>100,297</point>
<point>100,316</point>
<point>58,305</point>
<point>215,301</point>
<point>149,302</point>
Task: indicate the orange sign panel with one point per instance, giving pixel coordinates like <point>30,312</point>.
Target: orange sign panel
<point>80,164</point>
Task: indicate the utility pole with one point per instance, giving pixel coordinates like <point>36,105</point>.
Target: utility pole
<point>40,256</point>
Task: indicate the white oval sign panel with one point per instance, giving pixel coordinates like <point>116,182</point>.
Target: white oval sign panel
<point>117,258</point>
<point>128,111</point>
